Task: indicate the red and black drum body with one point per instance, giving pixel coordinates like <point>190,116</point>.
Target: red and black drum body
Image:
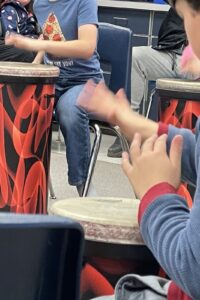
<point>179,102</point>
<point>26,107</point>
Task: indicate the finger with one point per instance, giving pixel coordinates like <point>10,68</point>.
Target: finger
<point>121,96</point>
<point>176,151</point>
<point>86,94</point>
<point>148,144</point>
<point>121,93</point>
<point>102,92</point>
<point>126,165</point>
<point>101,87</point>
<point>160,143</point>
<point>135,148</point>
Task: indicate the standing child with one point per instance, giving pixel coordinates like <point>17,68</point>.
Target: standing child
<point>70,30</point>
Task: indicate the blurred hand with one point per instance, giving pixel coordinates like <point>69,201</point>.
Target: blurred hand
<point>100,101</point>
<point>148,164</point>
<point>115,109</point>
<point>23,42</point>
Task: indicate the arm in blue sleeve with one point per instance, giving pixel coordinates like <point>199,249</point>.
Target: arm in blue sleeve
<point>172,233</point>
<point>188,170</point>
<point>170,229</point>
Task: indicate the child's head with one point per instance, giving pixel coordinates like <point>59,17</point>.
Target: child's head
<point>28,4</point>
<point>189,10</point>
<point>24,2</point>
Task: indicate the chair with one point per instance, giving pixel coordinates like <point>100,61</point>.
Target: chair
<point>40,257</point>
<point>115,51</point>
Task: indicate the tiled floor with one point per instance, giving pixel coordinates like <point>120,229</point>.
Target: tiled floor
<point>108,177</point>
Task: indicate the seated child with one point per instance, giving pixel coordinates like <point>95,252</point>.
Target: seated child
<point>16,16</point>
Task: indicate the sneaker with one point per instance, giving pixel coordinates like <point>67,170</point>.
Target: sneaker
<point>115,150</point>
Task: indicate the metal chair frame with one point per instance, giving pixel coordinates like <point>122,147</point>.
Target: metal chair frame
<point>114,34</point>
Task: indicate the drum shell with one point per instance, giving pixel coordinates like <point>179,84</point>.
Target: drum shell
<point>26,105</point>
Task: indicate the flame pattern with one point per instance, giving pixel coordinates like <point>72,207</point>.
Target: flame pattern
<point>182,114</point>
<point>25,135</point>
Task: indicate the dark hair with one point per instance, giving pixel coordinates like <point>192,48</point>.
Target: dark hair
<point>195,4</point>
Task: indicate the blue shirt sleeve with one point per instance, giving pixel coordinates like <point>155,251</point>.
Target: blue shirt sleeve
<point>171,229</point>
<point>87,12</point>
<point>188,168</point>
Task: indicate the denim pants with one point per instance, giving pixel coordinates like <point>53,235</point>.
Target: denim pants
<point>74,125</point>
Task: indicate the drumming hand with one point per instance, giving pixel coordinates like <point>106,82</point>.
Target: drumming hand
<point>22,42</point>
<point>100,101</point>
<point>150,163</point>
<point>115,109</point>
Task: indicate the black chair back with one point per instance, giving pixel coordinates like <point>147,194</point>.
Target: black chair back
<point>40,257</point>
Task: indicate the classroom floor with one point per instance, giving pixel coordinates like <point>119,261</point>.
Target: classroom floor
<point>108,177</point>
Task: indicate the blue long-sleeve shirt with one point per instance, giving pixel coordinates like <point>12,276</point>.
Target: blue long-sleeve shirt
<point>169,228</point>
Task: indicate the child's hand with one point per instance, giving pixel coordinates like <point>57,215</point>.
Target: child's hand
<point>23,42</point>
<point>150,163</point>
<point>100,101</point>
<point>189,62</point>
<point>115,109</point>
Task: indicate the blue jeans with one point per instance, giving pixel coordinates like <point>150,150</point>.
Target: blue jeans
<point>74,125</point>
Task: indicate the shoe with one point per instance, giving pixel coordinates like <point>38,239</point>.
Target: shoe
<point>115,150</point>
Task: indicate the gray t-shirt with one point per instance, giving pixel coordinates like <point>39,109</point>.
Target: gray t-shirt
<point>66,16</point>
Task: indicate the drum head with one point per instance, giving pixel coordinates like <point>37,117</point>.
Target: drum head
<point>103,219</point>
<point>13,72</point>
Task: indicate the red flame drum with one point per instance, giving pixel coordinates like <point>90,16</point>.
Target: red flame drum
<point>26,107</point>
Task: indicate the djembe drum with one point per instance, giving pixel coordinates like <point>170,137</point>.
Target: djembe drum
<point>26,106</point>
<point>113,244</point>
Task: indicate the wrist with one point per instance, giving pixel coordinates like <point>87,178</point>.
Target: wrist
<point>146,127</point>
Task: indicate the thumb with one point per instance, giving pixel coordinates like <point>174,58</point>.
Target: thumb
<point>126,165</point>
<point>86,94</point>
<point>122,98</point>
<point>176,151</point>
<point>121,93</point>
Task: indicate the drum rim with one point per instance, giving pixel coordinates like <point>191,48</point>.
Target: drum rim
<point>28,70</point>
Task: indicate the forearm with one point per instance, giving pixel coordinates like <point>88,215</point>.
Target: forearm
<point>39,58</point>
<point>75,49</point>
<point>131,122</point>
